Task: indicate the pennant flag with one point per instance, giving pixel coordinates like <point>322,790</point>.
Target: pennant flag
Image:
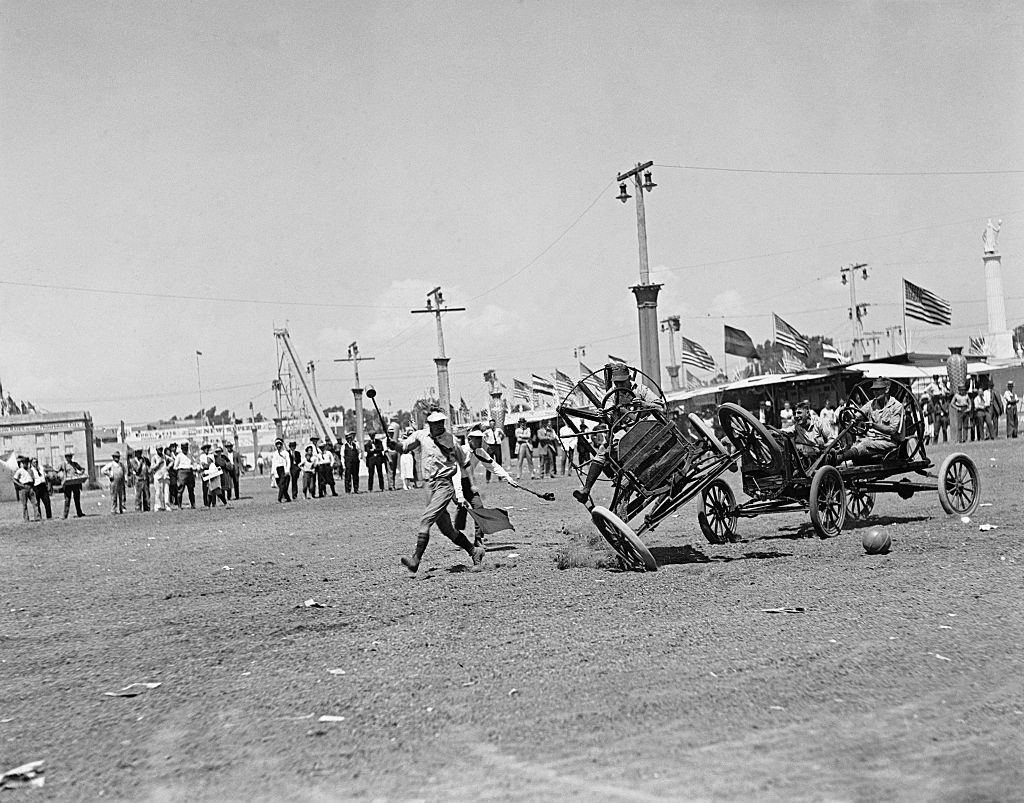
<point>521,394</point>
<point>543,391</point>
<point>199,353</point>
<point>563,384</point>
<point>830,353</point>
<point>786,335</point>
<point>491,520</point>
<point>613,358</point>
<point>739,343</point>
<point>695,354</point>
<point>926,306</point>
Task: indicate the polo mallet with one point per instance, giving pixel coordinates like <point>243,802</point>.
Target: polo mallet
<point>371,394</point>
<point>547,497</point>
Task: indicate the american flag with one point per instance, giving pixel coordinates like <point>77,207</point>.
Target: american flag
<point>786,335</point>
<point>613,358</point>
<point>543,391</point>
<point>563,384</point>
<point>521,394</point>
<point>595,383</point>
<point>791,363</point>
<point>830,353</point>
<point>926,306</point>
<point>693,353</point>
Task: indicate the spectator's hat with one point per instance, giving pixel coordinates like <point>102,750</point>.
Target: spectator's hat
<point>314,438</point>
<point>521,421</point>
<point>880,383</point>
<point>219,448</point>
<point>229,445</point>
<point>1009,382</point>
<point>115,454</point>
<point>436,416</point>
<point>476,431</point>
<point>71,452</point>
<point>205,446</point>
<point>309,448</point>
<point>279,441</point>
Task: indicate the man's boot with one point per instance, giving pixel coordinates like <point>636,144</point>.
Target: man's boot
<point>413,563</point>
<point>583,494</point>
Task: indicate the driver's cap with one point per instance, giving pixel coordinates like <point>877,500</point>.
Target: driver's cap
<point>434,417</point>
<point>619,372</point>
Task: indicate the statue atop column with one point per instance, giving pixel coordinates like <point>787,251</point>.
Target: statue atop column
<point>990,238</point>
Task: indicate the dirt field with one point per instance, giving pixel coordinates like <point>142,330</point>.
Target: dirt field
<point>902,678</point>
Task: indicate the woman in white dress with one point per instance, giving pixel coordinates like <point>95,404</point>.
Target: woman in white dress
<point>405,468</point>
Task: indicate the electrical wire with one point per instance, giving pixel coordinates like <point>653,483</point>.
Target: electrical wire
<point>842,172</point>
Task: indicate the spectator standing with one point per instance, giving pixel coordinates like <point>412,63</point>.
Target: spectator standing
<point>493,438</point>
<point>350,457</point>
<point>391,461</point>
<point>41,490</point>
<point>524,448</point>
<point>940,414</point>
<point>171,455</point>
<point>978,420</point>
<point>204,461</point>
<point>219,478</point>
<point>280,470</point>
<point>308,470</point>
<point>295,470</point>
<point>373,457</point>
<point>72,476</point>
<point>407,466</point>
<point>548,442</point>
<point>186,476</point>
<point>237,466</point>
<point>995,409</point>
<point>161,499</point>
<point>1010,402</point>
<point>962,408</point>
<point>260,463</point>
<point>24,484</point>
<point>827,417</point>
<point>786,418</point>
<point>143,478</point>
<point>567,437</point>
<point>115,472</point>
<point>325,467</point>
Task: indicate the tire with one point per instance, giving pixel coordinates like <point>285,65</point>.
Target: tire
<point>959,485</point>
<point>633,553</point>
<point>827,502</point>
<point>707,433</point>
<point>859,504</point>
<point>716,519</point>
<point>750,437</point>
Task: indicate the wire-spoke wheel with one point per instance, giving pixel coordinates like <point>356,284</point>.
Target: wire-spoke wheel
<point>716,518</point>
<point>633,553</point>
<point>827,502</point>
<point>750,436</point>
<point>959,484</point>
<point>859,503</point>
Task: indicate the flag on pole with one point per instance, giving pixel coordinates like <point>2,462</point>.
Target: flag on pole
<point>926,306</point>
<point>739,343</point>
<point>613,358</point>
<point>521,393</point>
<point>563,384</point>
<point>786,335</point>
<point>791,363</point>
<point>693,353</point>
<point>830,353</point>
<point>594,383</point>
<point>543,391</point>
<point>199,353</point>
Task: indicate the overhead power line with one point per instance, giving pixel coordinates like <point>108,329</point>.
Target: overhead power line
<point>844,172</point>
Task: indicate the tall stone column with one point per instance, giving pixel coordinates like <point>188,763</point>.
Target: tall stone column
<point>647,312</point>
<point>999,339</point>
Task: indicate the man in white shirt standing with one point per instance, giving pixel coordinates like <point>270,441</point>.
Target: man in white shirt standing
<point>162,492</point>
<point>185,471</point>
<point>280,470</point>
<point>1010,402</point>
<point>827,417</point>
<point>492,443</point>
<point>568,440</point>
<point>443,461</point>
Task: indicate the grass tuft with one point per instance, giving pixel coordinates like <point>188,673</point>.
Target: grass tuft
<point>585,550</point>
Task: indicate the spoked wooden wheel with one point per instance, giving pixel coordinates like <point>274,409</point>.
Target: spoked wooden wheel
<point>707,433</point>
<point>827,502</point>
<point>859,503</point>
<point>959,485</point>
<point>750,436</point>
<point>716,518</point>
<point>633,553</point>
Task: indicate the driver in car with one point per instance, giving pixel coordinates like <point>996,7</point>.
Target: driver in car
<point>630,394</point>
<point>884,419</point>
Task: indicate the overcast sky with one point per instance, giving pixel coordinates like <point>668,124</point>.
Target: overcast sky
<point>187,176</point>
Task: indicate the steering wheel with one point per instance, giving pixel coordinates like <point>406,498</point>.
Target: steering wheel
<point>854,419</point>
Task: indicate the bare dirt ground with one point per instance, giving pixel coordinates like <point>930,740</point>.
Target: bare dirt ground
<point>902,679</point>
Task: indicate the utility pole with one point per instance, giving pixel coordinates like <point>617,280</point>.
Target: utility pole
<point>872,339</point>
<point>645,292</point>
<point>311,370</point>
<point>671,325</point>
<point>357,392</point>
<point>199,380</point>
<point>435,305</point>
<point>856,311</point>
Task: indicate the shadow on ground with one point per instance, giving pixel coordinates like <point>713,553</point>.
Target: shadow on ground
<point>668,555</point>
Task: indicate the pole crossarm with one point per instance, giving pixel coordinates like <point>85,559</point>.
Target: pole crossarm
<point>638,169</point>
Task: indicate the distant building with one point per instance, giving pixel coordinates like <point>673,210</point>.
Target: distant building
<point>48,436</point>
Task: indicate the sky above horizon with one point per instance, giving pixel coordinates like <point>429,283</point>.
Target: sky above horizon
<point>189,176</point>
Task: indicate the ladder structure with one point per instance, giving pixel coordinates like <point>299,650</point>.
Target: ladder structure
<point>294,397</point>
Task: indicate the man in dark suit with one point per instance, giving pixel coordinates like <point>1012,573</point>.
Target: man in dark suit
<point>350,458</point>
<point>296,458</point>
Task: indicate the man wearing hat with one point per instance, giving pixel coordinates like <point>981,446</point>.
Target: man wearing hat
<point>325,468</point>
<point>629,394</point>
<point>219,477</point>
<point>161,500</point>
<point>72,476</point>
<point>350,460</point>
<point>885,416</point>
<point>280,470</point>
<point>186,476</point>
<point>294,470</point>
<point>963,409</point>
<point>24,483</point>
<point>443,461</point>
<point>171,454</point>
<point>477,449</point>
<point>205,460</point>
<point>1010,401</point>
<point>114,471</point>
